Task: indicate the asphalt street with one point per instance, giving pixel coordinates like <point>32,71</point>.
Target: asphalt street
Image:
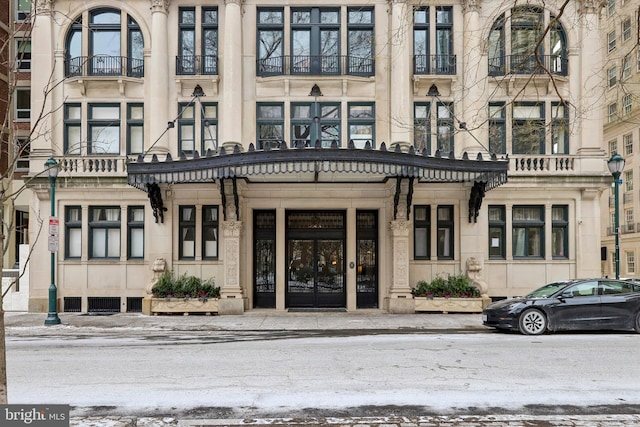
<point>22,325</point>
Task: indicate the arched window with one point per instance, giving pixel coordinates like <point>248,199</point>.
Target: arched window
<point>517,46</point>
<point>97,49</point>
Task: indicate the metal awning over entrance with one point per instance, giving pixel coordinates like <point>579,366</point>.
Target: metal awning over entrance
<point>317,164</point>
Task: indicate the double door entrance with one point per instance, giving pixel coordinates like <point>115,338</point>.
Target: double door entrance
<point>315,265</point>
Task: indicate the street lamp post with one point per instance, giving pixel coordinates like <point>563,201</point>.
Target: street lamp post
<point>52,167</point>
<point>616,165</point>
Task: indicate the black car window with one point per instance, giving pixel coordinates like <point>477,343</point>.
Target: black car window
<point>547,290</point>
<point>584,289</point>
<point>612,288</point>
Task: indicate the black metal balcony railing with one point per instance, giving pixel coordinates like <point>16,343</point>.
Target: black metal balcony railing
<point>103,65</point>
<point>316,65</point>
<point>197,65</point>
<point>528,64</point>
<point>434,64</point>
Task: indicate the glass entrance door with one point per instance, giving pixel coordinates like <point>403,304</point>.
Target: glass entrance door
<point>315,260</point>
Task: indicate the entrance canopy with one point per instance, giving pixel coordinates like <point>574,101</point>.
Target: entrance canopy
<point>317,164</point>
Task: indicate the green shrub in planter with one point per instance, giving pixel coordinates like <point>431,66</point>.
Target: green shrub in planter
<point>169,286</point>
<point>455,286</point>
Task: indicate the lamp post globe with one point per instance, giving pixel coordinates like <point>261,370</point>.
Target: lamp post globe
<point>616,166</point>
<point>52,167</point>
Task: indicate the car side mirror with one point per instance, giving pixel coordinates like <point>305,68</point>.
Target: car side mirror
<point>565,295</point>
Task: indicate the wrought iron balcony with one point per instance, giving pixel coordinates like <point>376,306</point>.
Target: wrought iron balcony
<point>315,65</point>
<point>434,64</point>
<point>197,65</point>
<point>104,65</point>
<point>528,64</point>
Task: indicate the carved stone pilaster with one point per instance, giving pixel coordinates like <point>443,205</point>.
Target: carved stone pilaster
<point>160,6</point>
<point>591,6</point>
<point>231,231</point>
<point>238,2</point>
<point>400,299</point>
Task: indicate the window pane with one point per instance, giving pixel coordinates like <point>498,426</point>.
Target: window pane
<point>75,243</point>
<point>105,139</point>
<point>99,237</point>
<point>421,242</point>
<point>137,243</point>
<point>114,242</point>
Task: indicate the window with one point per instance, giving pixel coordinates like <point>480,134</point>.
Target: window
<point>559,129</point>
<point>315,121</point>
<point>559,231</point>
<point>193,121</point>
<point>497,128</point>
<point>528,136</point>
<point>209,232</point>
<point>360,40</point>
<point>612,76</point>
<point>103,37</point>
<point>104,232</point>
<point>628,180</point>
<point>73,232</point>
<point>626,67</point>
<point>611,7</point>
<point>22,147</point>
<point>433,44</point>
<point>315,41</point>
<point>421,232</point>
<point>270,125</point>
<point>528,231</point>
<point>631,261</point>
<point>361,124</point>
<point>187,239</point>
<point>524,26</point>
<point>628,215</point>
<point>497,229</point>
<point>628,144</point>
<point>611,40</point>
<point>135,232</point>
<point>444,125</point>
<point>72,129</point>
<point>23,104</point>
<point>135,128</point>
<point>104,129</point>
<point>23,54</point>
<point>627,104</point>
<point>613,147</point>
<point>445,232</point>
<point>422,127</point>
<point>626,29</point>
<point>194,38</point>
<point>270,41</point>
<point>23,9</point>
<point>613,112</point>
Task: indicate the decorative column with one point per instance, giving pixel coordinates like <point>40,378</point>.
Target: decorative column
<point>472,107</point>
<point>231,300</point>
<point>400,38</point>
<point>157,73</point>
<point>231,121</point>
<point>400,298</point>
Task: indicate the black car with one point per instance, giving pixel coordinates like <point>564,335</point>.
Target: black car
<point>578,304</point>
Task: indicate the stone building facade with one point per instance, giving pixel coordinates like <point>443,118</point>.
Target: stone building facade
<point>311,156</point>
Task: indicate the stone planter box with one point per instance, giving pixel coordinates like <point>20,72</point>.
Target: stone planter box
<point>451,305</point>
<point>156,306</point>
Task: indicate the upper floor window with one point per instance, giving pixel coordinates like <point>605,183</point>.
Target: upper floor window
<point>361,124</point>
<point>22,104</point>
<point>270,125</point>
<point>315,38</point>
<point>104,129</point>
<point>524,26</point>
<point>315,121</point>
<point>611,40</point>
<point>433,40</point>
<point>497,128</point>
<point>628,144</point>
<point>626,29</point>
<point>23,9</point>
<point>94,45</point>
<point>612,76</point>
<point>628,180</point>
<point>613,147</point>
<point>23,54</point>
<point>627,105</point>
<point>197,124</point>
<point>626,67</point>
<point>22,150</point>
<point>442,119</point>
<point>611,7</point>
<point>197,41</point>
<point>612,115</point>
<point>528,128</point>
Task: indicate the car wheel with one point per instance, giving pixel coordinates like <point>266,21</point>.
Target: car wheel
<point>533,322</point>
<point>637,325</point>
